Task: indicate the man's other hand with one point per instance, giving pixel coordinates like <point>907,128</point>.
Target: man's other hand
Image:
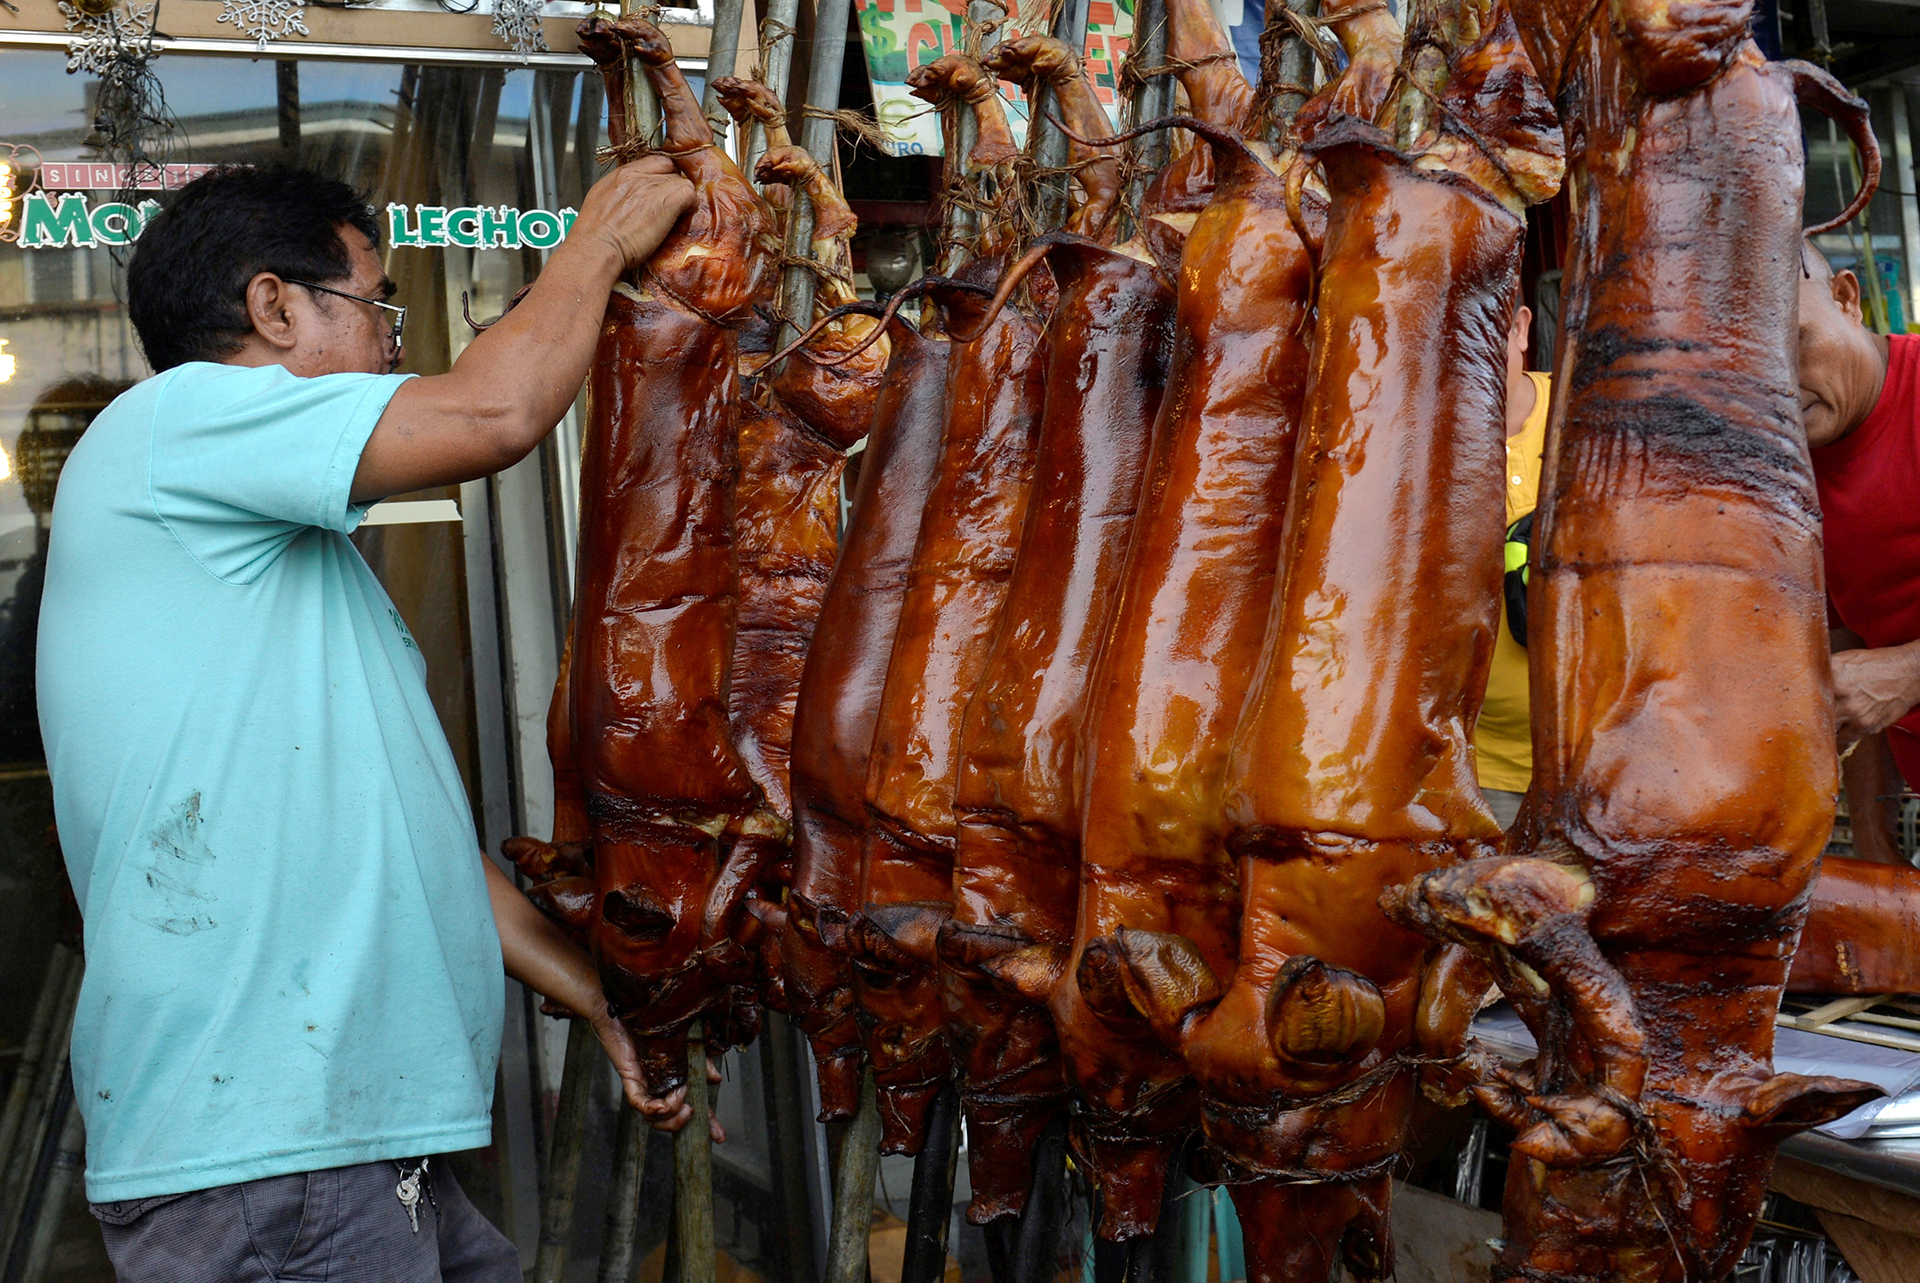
<point>633,209</point>
<point>668,1113</point>
<point>1873,689</point>
<point>538,955</point>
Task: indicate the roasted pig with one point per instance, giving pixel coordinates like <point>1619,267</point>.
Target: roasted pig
<point>1684,765</point>
<point>1352,765</point>
<point>1173,670</point>
<point>962,561</point>
<point>680,829</point>
<point>1016,862</point>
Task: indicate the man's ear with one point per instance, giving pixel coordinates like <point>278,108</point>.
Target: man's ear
<point>270,311</point>
<point>1518,334</point>
<point>1846,293</point>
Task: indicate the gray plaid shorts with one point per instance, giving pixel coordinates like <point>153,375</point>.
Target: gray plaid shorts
<point>343,1225</point>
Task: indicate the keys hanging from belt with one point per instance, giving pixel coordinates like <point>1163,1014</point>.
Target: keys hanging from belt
<point>408,1191</point>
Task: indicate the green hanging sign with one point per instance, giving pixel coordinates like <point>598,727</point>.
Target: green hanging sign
<point>47,222</point>
<point>62,220</point>
<point>476,227</point>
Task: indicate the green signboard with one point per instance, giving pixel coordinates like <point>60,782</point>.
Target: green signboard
<point>62,220</point>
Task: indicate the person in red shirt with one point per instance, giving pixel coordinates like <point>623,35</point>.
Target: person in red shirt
<point>1860,403</point>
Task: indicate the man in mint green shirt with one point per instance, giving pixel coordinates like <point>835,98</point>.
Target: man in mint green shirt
<point>294,947</point>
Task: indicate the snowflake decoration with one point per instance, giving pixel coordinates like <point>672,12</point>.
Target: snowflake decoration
<point>105,43</point>
<point>266,20</point>
<point>518,23</point>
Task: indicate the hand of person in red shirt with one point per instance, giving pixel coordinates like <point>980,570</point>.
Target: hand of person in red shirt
<point>1873,689</point>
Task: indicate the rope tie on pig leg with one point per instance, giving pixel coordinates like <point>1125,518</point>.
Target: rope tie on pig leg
<point>771,33</point>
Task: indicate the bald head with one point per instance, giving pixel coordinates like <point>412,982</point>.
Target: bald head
<point>1842,363</point>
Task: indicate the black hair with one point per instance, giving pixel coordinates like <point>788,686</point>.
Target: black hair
<point>187,283</point>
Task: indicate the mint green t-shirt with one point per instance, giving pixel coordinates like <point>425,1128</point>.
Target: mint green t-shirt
<point>291,959</point>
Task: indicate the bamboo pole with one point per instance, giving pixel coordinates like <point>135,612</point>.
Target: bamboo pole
<point>1155,98</point>
<point>723,54</point>
<point>693,1172</point>
<point>1038,1243</point>
<point>1296,68</point>
<point>776,54</point>
<point>817,136</point>
<point>1045,141</point>
<point>563,1153</point>
<point>853,1191</point>
<point>630,1137</point>
<point>788,1121</point>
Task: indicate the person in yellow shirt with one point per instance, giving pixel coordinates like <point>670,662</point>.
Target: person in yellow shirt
<point>1502,740</point>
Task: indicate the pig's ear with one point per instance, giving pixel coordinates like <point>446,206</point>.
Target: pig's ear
<point>1321,1015</point>
<point>763,918</point>
<point>1166,980</point>
<point>1795,1102</point>
<point>1029,973</point>
<point>967,945</point>
<point>569,902</point>
<point>912,929</point>
<point>1099,978</point>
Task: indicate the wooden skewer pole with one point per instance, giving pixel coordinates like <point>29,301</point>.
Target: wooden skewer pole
<point>930,1205</point>
<point>723,55</point>
<point>817,136</point>
<point>853,1193</point>
<point>693,1172</point>
<point>630,1138</point>
<point>563,1152</point>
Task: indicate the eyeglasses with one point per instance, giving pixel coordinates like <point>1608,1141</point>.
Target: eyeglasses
<point>399,313</point>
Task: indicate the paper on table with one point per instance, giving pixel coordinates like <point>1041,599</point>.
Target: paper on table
<point>1794,1051</point>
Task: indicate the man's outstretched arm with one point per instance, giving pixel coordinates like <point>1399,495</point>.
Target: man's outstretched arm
<point>514,381</point>
<point>540,957</point>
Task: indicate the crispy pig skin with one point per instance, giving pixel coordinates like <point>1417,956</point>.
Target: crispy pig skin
<point>1016,865</point>
<point>1863,931</point>
<point>1353,766</point>
<point>962,561</point>
<point>839,703</point>
<point>786,534</point>
<point>1174,669</point>
<point>680,829</point>
<point>1684,765</point>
